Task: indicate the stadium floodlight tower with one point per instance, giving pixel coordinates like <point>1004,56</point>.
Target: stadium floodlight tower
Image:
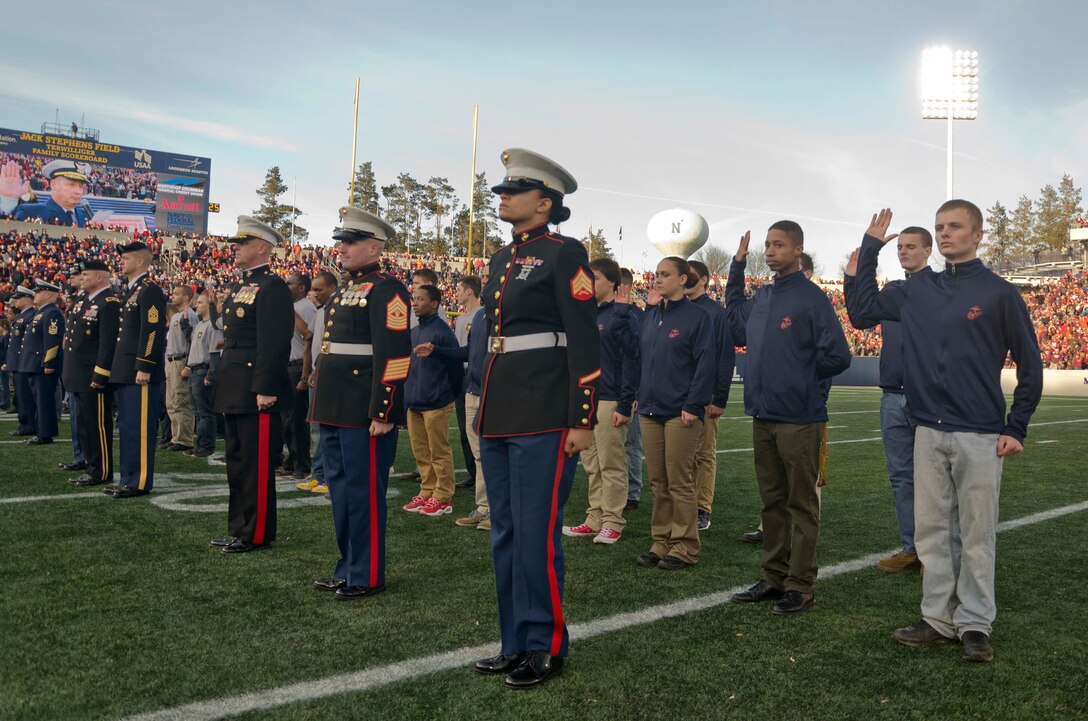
<point>949,91</point>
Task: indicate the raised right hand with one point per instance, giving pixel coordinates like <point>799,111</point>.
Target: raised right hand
<point>742,249</point>
<point>852,264</point>
<point>878,226</point>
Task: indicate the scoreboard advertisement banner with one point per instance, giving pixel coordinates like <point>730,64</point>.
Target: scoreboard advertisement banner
<point>127,188</point>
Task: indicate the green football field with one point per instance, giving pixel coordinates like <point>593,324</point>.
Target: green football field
<point>119,609</point>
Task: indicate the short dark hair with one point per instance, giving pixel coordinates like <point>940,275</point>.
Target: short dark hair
<point>700,269</point>
<point>626,277</point>
<point>958,204</point>
<point>790,228</point>
<point>609,268</point>
<point>473,284</point>
<point>432,292</point>
<point>429,276</point>
<point>327,278</point>
<point>186,290</point>
<point>806,263</point>
<point>682,268</point>
<point>303,280</point>
<point>927,237</point>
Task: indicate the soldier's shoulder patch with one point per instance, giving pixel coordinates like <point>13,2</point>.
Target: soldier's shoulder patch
<point>396,314</point>
<point>152,315</point>
<point>581,285</point>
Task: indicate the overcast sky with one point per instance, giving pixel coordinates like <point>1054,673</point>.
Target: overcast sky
<point>744,112</point>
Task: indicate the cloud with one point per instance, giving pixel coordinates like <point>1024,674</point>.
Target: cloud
<point>21,86</point>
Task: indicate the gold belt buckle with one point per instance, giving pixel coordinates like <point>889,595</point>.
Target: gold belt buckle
<point>325,347</point>
<point>498,344</point>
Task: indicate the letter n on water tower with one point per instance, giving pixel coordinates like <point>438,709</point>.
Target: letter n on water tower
<point>676,227</point>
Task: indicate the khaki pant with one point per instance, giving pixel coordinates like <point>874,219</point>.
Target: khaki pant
<point>787,461</point>
<point>670,460</point>
<point>178,405</point>
<point>472,407</point>
<point>606,465</point>
<point>430,435</point>
<point>706,463</point>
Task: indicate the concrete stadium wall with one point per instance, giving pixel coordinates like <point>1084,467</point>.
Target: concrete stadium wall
<point>865,372</point>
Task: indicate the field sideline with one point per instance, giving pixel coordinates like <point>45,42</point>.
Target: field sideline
<point>118,609</point>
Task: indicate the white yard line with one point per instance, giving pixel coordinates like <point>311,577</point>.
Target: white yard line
<point>462,658</point>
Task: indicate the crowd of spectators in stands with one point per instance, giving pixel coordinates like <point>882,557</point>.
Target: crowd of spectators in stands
<point>1059,309</point>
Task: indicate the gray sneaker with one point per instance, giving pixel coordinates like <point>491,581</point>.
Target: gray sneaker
<point>703,520</point>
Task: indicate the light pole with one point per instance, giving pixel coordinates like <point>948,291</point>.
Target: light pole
<point>949,91</point>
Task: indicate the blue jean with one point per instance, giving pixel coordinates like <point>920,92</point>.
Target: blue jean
<point>5,390</point>
<point>202,397</point>
<point>897,428</point>
<point>317,463</point>
<point>633,446</point>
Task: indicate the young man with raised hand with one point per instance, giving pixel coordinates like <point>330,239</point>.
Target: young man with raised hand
<point>959,325</point>
<point>794,342</point>
<point>896,426</point>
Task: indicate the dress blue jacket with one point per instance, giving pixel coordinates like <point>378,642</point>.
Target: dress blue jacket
<point>794,342</point>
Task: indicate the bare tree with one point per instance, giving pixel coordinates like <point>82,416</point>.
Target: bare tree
<point>716,259</point>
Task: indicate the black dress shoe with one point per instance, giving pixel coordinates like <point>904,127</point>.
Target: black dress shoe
<point>977,647</point>
<point>537,668</point>
<point>240,546</point>
<point>762,591</point>
<point>126,492</point>
<point>466,483</point>
<point>672,563</point>
<point>632,504</point>
<point>752,537</point>
<point>221,542</point>
<point>85,481</point>
<point>111,489</point>
<point>73,466</point>
<point>329,584</point>
<point>20,433</point>
<point>794,602</point>
<point>353,593</point>
<point>39,441</point>
<point>497,664</point>
<point>648,559</point>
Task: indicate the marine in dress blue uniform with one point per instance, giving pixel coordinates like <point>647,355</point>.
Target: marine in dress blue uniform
<point>137,373</point>
<point>538,407</point>
<point>67,182</point>
<point>42,359</point>
<point>358,397</point>
<point>89,344</point>
<point>254,388</point>
<point>24,397</point>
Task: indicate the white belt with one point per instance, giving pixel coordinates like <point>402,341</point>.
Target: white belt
<point>328,348</point>
<point>532,341</point>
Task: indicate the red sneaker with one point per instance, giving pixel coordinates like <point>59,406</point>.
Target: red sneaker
<point>607,535</point>
<point>435,507</point>
<point>416,504</point>
<point>578,531</point>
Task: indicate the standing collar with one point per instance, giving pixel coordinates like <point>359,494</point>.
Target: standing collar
<point>531,234</point>
<point>255,271</point>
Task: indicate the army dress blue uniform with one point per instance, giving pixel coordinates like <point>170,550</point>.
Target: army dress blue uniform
<point>360,373</point>
<point>41,352</point>
<point>24,396</point>
<point>141,347</point>
<point>539,285</point>
<point>89,345</point>
<point>258,321</point>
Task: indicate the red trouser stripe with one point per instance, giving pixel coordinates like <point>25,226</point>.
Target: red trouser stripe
<point>553,580</point>
<point>373,511</point>
<point>262,477</point>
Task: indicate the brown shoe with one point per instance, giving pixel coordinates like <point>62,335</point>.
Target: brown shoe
<point>902,561</point>
<point>920,635</point>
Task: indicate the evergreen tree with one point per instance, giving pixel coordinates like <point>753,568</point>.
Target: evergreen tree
<point>1021,228</point>
<point>1070,201</point>
<point>282,217</point>
<point>437,200</point>
<point>1051,226</point>
<point>595,244</point>
<point>998,247</point>
<point>403,212</point>
<point>366,189</point>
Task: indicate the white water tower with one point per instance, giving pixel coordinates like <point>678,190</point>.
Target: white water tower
<point>678,232</point>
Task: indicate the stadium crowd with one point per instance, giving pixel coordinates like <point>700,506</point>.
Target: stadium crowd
<point>1059,310</point>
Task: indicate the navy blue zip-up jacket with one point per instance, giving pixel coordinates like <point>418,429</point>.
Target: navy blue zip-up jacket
<point>724,349</point>
<point>433,382</point>
<point>677,345</point>
<point>794,341</point>
<point>891,335</point>
<point>958,326</point>
<point>619,355</point>
<point>473,354</point>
